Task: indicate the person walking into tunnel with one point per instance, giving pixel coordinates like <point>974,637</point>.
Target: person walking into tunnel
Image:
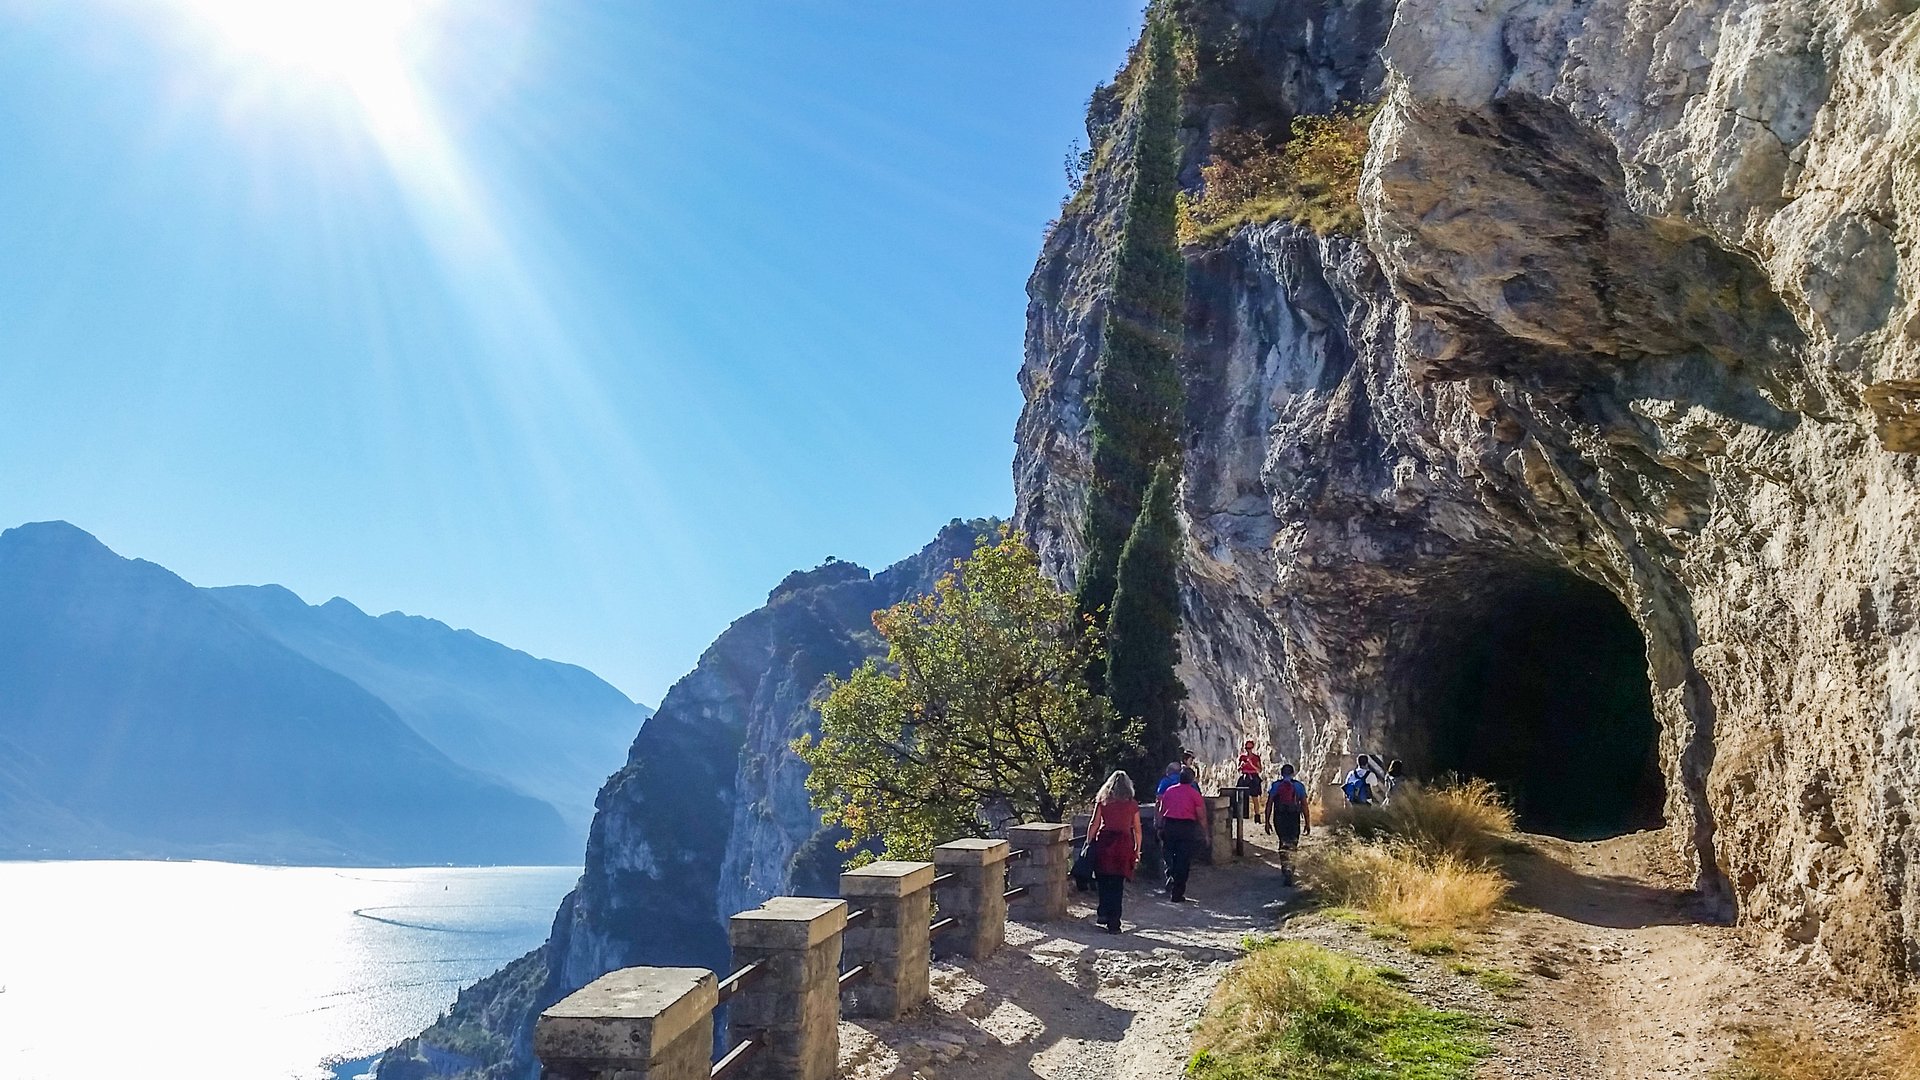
<point>1168,778</point>
<point>1115,838</point>
<point>1358,786</point>
<point>1396,772</point>
<point>1249,782</point>
<point>1182,816</point>
<point>1287,809</point>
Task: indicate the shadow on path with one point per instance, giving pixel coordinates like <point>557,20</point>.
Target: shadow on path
<point>1622,903</point>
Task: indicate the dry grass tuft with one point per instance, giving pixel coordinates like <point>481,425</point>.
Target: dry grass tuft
<point>1468,818</point>
<point>1423,868</point>
<point>1406,888</point>
<point>1801,1054</point>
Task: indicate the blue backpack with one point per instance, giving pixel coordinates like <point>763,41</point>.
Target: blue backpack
<point>1356,788</point>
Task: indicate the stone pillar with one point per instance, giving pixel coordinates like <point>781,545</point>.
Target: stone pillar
<point>795,1006</point>
<point>892,939</point>
<point>976,894</point>
<point>1043,870</point>
<point>638,1023</point>
<point>1219,829</point>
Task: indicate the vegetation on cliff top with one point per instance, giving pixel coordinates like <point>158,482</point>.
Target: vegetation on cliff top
<point>1295,1009</point>
<point>1312,178</point>
<point>982,703</point>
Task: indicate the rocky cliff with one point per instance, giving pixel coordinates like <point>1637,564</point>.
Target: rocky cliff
<point>1624,363</point>
<point>707,818</point>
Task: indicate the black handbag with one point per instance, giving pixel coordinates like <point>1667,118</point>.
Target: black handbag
<point>1082,871</point>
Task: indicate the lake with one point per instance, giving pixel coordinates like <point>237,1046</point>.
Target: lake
<point>216,971</point>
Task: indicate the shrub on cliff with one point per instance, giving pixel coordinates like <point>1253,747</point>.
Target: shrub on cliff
<point>982,701</point>
<point>1138,400</point>
<point>1312,178</point>
<point>1143,645</point>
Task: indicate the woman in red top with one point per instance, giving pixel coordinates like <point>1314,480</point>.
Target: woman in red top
<point>1249,781</point>
<point>1114,834</point>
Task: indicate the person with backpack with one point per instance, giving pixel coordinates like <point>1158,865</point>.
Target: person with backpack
<point>1287,809</point>
<point>1114,838</point>
<point>1357,787</point>
<point>1183,815</point>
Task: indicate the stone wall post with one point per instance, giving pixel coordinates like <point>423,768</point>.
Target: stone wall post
<point>1042,871</point>
<point>1220,825</point>
<point>795,1006</point>
<point>892,939</point>
<point>638,1023</point>
<point>976,895</point>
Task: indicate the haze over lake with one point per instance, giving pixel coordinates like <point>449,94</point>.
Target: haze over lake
<point>217,971</point>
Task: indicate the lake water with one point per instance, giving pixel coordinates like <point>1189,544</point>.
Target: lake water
<point>214,971</point>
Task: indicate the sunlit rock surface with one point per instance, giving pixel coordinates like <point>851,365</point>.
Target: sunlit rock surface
<point>1638,301</point>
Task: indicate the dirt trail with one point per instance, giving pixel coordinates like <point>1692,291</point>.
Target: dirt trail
<point>1620,977</point>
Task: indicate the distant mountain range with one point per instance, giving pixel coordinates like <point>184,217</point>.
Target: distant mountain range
<point>141,716</point>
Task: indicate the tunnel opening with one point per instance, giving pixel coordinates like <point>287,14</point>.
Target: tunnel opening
<point>1540,686</point>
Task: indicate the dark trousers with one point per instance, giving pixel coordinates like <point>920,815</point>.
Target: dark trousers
<point>1249,788</point>
<point>1113,888</point>
<point>1180,837</point>
<point>1287,823</point>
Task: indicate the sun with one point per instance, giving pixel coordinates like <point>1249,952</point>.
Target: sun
<point>365,47</point>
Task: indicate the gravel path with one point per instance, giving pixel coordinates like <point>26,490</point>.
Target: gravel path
<point>1619,978</point>
<point>1066,1001</point>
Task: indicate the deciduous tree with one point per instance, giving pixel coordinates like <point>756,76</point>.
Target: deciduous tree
<point>981,702</point>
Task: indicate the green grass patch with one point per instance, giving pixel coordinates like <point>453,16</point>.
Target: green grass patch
<point>1497,981</point>
<point>1435,945</point>
<point>1294,1009</point>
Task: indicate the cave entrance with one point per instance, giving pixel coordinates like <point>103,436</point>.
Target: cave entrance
<point>1540,685</point>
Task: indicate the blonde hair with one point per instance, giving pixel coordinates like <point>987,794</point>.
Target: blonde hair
<point>1118,786</point>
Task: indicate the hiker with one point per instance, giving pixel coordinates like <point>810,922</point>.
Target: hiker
<point>1249,780</point>
<point>1356,787</point>
<point>1396,772</point>
<point>1168,778</point>
<point>1287,809</point>
<point>1183,814</point>
<point>1114,836</point>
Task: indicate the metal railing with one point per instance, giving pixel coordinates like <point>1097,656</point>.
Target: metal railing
<point>731,1061</point>
<point>741,979</point>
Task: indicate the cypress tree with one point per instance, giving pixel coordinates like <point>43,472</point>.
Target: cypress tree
<point>1137,405</point>
<point>1143,632</point>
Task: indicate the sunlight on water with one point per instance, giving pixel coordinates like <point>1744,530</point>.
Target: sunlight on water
<point>221,972</point>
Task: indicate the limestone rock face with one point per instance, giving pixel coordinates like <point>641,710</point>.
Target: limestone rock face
<point>1636,315</point>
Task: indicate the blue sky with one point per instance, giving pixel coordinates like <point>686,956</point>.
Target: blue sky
<point>576,324</point>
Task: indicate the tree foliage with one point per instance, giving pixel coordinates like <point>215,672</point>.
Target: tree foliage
<point>1143,645</point>
<point>982,701</point>
<point>1137,404</point>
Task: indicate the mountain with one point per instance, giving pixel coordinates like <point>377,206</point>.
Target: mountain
<point>709,816</point>
<point>142,717</point>
<point>549,729</point>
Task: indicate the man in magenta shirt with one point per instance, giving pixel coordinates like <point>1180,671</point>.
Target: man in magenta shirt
<point>1183,811</point>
